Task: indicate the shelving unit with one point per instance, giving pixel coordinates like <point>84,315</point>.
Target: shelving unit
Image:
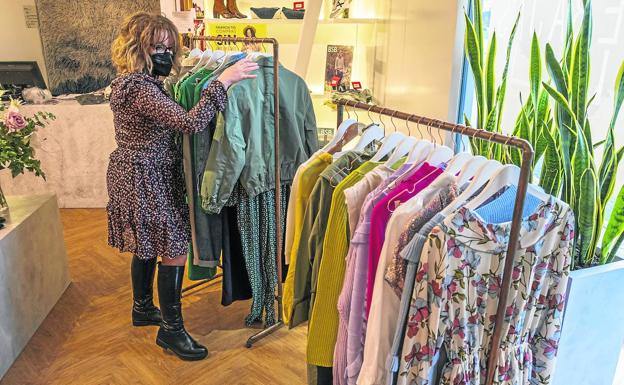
<point>303,42</point>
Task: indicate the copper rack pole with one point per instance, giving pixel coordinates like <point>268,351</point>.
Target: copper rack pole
<point>278,174</point>
<point>523,184</point>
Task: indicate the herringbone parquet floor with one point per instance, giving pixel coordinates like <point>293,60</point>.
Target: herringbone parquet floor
<point>87,338</point>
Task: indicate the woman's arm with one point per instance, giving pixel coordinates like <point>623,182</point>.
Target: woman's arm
<point>153,103</point>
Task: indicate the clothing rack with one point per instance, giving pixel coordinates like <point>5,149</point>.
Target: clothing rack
<point>278,233</point>
<point>523,183</point>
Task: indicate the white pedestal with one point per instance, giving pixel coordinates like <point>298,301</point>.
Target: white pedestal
<point>33,271</point>
<point>74,151</point>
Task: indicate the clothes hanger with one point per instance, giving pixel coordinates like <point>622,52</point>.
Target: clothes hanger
<point>402,149</point>
<point>195,53</point>
<point>421,150</point>
<point>370,134</point>
<point>204,59</point>
<point>457,163</point>
<point>390,143</point>
<point>441,154</point>
<point>340,132</point>
<point>481,177</point>
<point>469,169</point>
<point>345,170</point>
<point>507,175</point>
<point>353,133</point>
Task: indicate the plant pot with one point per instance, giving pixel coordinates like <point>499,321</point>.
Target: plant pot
<point>592,334</point>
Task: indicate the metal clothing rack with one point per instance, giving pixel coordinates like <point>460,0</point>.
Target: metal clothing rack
<point>278,229</point>
<point>527,158</point>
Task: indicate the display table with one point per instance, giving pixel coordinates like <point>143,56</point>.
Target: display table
<point>33,271</point>
<point>74,151</point>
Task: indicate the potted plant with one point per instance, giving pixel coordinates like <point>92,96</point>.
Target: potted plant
<point>554,119</point>
<point>16,152</point>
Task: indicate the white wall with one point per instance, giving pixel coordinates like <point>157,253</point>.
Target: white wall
<point>414,70</point>
<point>18,43</point>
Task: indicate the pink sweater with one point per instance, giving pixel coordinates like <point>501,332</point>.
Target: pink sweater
<point>380,216</point>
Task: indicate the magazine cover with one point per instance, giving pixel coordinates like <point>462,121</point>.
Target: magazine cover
<point>338,67</point>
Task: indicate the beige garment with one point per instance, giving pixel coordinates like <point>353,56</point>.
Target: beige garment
<point>356,195</point>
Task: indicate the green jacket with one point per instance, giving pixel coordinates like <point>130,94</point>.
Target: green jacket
<point>243,145</point>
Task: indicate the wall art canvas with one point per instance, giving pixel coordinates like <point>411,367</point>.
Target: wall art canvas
<point>77,35</point>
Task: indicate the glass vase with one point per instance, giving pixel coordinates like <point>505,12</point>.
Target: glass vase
<point>4,206</point>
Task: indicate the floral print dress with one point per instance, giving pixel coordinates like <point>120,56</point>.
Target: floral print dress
<point>457,290</point>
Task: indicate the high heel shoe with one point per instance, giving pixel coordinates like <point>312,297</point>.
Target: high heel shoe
<point>220,10</point>
<point>231,6</point>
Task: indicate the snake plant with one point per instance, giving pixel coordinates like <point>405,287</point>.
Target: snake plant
<point>490,99</point>
<point>560,134</point>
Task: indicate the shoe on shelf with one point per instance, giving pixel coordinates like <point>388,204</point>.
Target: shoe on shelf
<point>231,6</point>
<point>220,10</point>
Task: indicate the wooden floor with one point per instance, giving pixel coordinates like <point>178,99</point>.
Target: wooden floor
<point>87,338</point>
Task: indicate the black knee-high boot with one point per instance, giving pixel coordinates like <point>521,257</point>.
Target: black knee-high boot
<point>172,335</point>
<point>144,312</point>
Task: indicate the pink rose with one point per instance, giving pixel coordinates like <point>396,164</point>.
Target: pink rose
<point>14,121</point>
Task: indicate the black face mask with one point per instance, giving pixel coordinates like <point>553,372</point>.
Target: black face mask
<point>162,63</point>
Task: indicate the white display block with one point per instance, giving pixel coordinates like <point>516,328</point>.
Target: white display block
<point>34,271</point>
<point>74,151</point>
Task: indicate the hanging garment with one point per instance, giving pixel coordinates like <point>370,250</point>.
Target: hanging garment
<point>147,212</point>
<point>382,319</point>
<point>256,223</point>
<point>323,327</point>
<point>296,207</point>
<point>411,257</point>
<point>359,250</point>
<point>313,231</point>
<point>242,147</point>
<point>457,289</point>
<point>308,175</point>
<point>381,213</point>
<point>355,197</point>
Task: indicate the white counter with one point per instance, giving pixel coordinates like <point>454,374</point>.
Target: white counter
<point>33,271</point>
<point>74,152</point>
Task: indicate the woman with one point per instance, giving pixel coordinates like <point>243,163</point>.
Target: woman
<point>147,213</point>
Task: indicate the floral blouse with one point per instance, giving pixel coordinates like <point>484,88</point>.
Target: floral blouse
<point>457,291</point>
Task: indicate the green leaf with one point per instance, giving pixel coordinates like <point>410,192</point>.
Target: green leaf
<point>478,25</point>
<point>561,101</point>
<point>473,53</point>
<point>502,89</point>
<point>619,95</point>
<point>569,41</point>
<point>588,210</point>
<point>490,74</point>
<point>535,73</point>
<point>581,160</point>
<point>608,168</point>
<point>614,234</point>
<point>550,179</point>
<point>580,69</point>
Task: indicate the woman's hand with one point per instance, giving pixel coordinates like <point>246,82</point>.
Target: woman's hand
<point>239,71</point>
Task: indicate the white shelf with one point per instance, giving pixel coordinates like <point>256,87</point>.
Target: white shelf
<point>293,21</point>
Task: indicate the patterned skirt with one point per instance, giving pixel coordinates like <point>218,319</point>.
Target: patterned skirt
<point>147,210</point>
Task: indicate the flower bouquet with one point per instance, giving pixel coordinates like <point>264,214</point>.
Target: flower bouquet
<point>16,152</point>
